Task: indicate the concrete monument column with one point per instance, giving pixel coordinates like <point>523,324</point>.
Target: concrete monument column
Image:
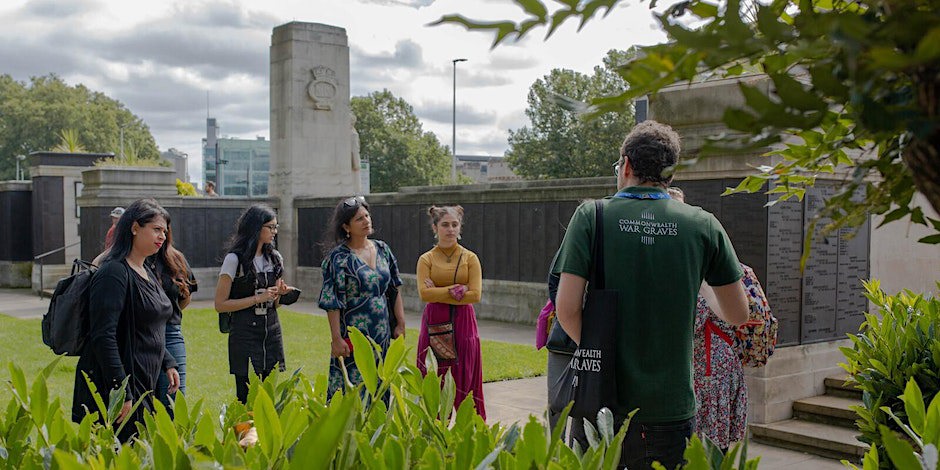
<point>310,122</point>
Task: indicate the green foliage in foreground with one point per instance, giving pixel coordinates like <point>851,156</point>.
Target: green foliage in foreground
<point>306,347</point>
<point>895,347</point>
<point>395,419</point>
<point>917,448</point>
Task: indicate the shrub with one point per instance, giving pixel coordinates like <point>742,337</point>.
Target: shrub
<point>917,450</point>
<point>892,348</point>
<point>395,419</point>
<point>185,189</point>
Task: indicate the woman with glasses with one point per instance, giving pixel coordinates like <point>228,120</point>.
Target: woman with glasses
<point>249,290</point>
<point>357,273</point>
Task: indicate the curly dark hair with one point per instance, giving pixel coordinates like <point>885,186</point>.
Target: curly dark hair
<point>651,148</point>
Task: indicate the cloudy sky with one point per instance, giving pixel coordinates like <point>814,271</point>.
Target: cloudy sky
<point>160,57</point>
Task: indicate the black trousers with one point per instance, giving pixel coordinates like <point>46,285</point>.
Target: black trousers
<point>241,385</point>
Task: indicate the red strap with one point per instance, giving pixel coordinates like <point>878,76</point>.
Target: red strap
<point>710,329</point>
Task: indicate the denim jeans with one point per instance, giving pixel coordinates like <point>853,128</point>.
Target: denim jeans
<point>177,348</point>
<point>648,442</point>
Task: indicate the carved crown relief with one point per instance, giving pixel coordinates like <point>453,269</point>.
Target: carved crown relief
<point>322,88</point>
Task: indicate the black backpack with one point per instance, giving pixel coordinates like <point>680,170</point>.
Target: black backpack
<point>65,325</point>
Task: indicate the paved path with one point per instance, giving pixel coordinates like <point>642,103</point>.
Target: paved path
<point>507,402</point>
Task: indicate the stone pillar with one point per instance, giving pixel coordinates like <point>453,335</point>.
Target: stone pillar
<point>57,183</point>
<point>310,122</point>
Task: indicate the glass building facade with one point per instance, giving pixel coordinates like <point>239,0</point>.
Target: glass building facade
<point>239,167</point>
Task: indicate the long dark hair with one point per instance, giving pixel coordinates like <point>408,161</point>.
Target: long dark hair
<point>345,210</point>
<point>171,262</point>
<point>142,211</point>
<point>244,241</point>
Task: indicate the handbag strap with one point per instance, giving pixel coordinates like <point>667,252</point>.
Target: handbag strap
<point>597,248</point>
<point>453,308</point>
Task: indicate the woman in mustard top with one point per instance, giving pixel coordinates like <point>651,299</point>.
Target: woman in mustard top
<point>450,281</point>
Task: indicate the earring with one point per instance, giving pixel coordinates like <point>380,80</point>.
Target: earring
<point>459,236</point>
<point>435,235</point>
<point>347,234</point>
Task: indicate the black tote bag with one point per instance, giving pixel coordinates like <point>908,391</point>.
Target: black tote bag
<point>590,379</point>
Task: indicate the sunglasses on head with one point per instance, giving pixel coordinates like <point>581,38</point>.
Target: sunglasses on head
<point>354,201</point>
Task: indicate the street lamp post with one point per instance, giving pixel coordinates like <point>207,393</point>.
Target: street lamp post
<point>122,139</point>
<point>453,143</point>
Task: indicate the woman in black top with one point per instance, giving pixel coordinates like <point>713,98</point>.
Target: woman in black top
<point>128,311</point>
<point>249,288</point>
<point>179,284</point>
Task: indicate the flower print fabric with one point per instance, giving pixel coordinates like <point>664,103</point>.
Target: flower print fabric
<point>721,392</point>
<point>358,292</point>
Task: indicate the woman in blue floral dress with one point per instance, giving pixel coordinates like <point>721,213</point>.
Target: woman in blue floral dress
<point>357,273</point>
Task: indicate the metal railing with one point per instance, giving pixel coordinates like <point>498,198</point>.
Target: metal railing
<point>40,257</point>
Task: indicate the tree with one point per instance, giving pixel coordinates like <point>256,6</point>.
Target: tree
<point>857,82</point>
<point>559,143</point>
<point>34,116</point>
<point>399,151</point>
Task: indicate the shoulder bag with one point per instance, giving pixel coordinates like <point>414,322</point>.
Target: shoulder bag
<point>441,335</point>
<point>590,380</point>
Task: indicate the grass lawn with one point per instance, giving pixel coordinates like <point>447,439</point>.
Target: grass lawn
<point>306,345</point>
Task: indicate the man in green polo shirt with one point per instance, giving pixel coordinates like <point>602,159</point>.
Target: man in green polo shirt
<point>657,252</point>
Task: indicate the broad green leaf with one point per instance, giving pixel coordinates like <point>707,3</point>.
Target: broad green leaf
<point>928,49</point>
<point>365,359</point>
<point>165,425</point>
<point>914,406</point>
<point>18,381</point>
<point>366,453</point>
<point>533,7</point>
<point>431,459</point>
<point>319,443</point>
<point>394,454</point>
<point>294,421</point>
<point>899,451</point>
<point>394,358</point>
<point>431,392</point>
<point>536,441</point>
<point>449,394</point>
<point>205,433</point>
<point>605,425</point>
<point>181,411</point>
<point>162,454</point>
<point>931,433</point>
<point>793,93</point>
<point>930,239</point>
<point>270,433</point>
<point>39,400</point>
<point>591,433</point>
<point>67,461</point>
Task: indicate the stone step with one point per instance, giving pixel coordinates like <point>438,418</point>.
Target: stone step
<point>825,440</point>
<point>827,409</point>
<point>842,386</point>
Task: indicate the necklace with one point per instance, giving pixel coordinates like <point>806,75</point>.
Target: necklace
<point>451,255</point>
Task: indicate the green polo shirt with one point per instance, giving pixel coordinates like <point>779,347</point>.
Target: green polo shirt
<point>657,252</point>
